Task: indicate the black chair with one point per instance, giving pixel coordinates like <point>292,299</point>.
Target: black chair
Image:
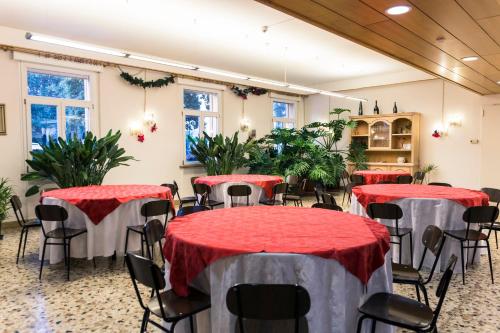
<point>239,191</point>
<point>494,195</point>
<point>440,184</point>
<point>53,213</point>
<point>295,190</point>
<point>479,215</point>
<point>256,305</point>
<point>148,210</point>
<point>348,191</point>
<point>328,198</point>
<point>200,190</point>
<point>153,234</point>
<point>418,177</point>
<point>281,188</point>
<point>25,225</point>
<point>174,187</point>
<point>357,179</point>
<point>166,305</point>
<point>433,240</point>
<point>405,179</point>
<point>404,312</point>
<point>327,206</point>
<point>390,211</point>
<point>191,210</point>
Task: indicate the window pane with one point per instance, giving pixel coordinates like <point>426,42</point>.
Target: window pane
<point>280,110</point>
<point>278,124</point>
<point>200,101</point>
<point>289,125</point>
<point>192,124</point>
<point>77,122</point>
<point>210,126</point>
<point>43,124</point>
<point>59,86</point>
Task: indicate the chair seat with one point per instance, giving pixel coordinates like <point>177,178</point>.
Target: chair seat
<point>189,199</point>
<point>137,228</point>
<point>32,223</point>
<point>176,307</point>
<point>397,309</point>
<point>68,233</point>
<point>270,202</point>
<point>405,273</point>
<point>474,235</point>
<point>292,197</point>
<point>402,231</point>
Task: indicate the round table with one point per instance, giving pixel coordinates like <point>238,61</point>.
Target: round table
<point>377,176</point>
<point>261,185</point>
<point>338,257</point>
<point>105,211</point>
<point>422,205</point>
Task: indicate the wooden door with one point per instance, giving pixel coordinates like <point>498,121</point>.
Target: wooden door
<point>490,147</point>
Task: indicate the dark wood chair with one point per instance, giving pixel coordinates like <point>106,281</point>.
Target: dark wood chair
<point>153,234</point>
<point>405,179</point>
<point>25,224</point>
<point>440,184</point>
<point>433,241</point>
<point>404,312</point>
<point>191,210</point>
<point>61,234</point>
<point>327,206</point>
<point>174,189</point>
<point>328,198</point>
<point>295,192</point>
<point>393,212</point>
<point>239,191</point>
<point>281,188</point>
<point>200,190</point>
<point>418,177</point>
<point>256,305</point>
<point>494,195</point>
<point>166,305</point>
<point>479,215</point>
<point>148,210</point>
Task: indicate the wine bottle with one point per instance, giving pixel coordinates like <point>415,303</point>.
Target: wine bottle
<point>375,109</point>
<point>360,109</point>
<point>395,108</point>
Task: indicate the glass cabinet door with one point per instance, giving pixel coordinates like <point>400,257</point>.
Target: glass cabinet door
<point>380,135</point>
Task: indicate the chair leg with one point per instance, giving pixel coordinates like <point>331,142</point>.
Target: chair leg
<point>462,258</point>
<point>19,247</point>
<point>374,325</point>
<point>489,259</point>
<point>418,292</point>
<point>474,253</point>
<point>65,253</point>
<point>25,239</point>
<point>69,255</point>
<point>191,325</point>
<point>126,245</point>
<point>496,238</point>
<point>411,249</point>
<point>145,319</point>
<point>343,197</point>
<point>142,245</point>
<point>43,257</point>
<point>360,323</point>
<point>400,248</point>
<point>426,298</point>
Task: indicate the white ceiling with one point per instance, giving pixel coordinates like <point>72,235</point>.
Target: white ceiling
<point>224,34</point>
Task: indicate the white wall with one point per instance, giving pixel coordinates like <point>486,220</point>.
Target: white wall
<point>160,156</point>
<point>458,160</point>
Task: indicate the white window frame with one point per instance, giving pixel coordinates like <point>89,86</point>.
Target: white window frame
<point>202,114</point>
<point>60,103</point>
<point>288,120</point>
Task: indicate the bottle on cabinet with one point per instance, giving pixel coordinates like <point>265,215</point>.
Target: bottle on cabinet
<point>395,108</point>
<point>360,109</point>
<point>376,109</point>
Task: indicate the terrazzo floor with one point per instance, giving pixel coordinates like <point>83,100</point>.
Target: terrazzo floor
<point>102,299</point>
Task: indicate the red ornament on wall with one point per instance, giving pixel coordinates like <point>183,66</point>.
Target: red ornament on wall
<point>140,137</point>
<point>436,134</point>
<point>154,128</point>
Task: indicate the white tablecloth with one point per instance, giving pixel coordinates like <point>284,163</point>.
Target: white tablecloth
<point>335,293</point>
<point>418,213</point>
<point>219,193</point>
<point>102,239</point>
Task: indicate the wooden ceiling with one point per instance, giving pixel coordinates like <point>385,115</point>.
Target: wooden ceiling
<point>434,36</point>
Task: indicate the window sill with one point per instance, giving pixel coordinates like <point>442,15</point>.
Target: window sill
<point>191,166</point>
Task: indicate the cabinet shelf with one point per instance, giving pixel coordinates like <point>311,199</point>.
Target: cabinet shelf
<point>388,149</point>
<point>360,136</point>
<point>401,134</point>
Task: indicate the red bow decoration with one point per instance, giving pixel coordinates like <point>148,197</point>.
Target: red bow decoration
<point>154,128</point>
<point>436,134</point>
<point>140,137</point>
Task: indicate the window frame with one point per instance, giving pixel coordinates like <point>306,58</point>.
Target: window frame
<point>60,103</point>
<point>202,114</point>
<point>285,120</point>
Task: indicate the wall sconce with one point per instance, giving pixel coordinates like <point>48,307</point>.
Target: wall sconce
<point>135,128</point>
<point>150,121</point>
<point>244,124</point>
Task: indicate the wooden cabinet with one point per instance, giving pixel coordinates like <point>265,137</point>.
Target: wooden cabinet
<point>392,140</point>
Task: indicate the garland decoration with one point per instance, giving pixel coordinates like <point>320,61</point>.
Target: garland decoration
<point>243,93</point>
<point>137,81</point>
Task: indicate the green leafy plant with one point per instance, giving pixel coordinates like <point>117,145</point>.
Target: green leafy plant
<point>428,169</point>
<point>75,162</point>
<point>6,193</point>
<point>357,155</point>
<point>220,155</point>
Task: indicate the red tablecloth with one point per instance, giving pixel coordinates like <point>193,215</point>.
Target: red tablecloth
<point>367,194</point>
<point>376,176</point>
<point>264,181</point>
<point>195,241</point>
<point>98,201</point>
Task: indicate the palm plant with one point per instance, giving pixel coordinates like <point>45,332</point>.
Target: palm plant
<point>357,155</point>
<point>6,193</point>
<point>75,162</point>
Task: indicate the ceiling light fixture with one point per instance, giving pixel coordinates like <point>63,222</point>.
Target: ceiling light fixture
<point>471,58</point>
<point>157,61</point>
<point>222,73</point>
<point>398,10</point>
<point>330,93</point>
<point>274,83</point>
<point>75,45</point>
<point>301,88</point>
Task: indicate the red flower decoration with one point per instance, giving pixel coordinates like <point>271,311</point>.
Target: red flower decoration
<point>436,134</point>
<point>140,137</point>
<point>154,128</point>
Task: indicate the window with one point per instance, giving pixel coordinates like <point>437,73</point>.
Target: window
<point>283,114</point>
<point>201,114</point>
<point>57,104</point>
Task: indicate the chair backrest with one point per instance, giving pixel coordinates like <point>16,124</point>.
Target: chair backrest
<point>443,288</point>
<point>328,198</point>
<point>268,302</point>
<point>173,188</point>
<point>16,207</point>
<point>153,232</point>
<point>52,213</point>
<point>147,273</point>
<point>357,179</point>
<point>239,191</point>
<point>418,177</point>
<point>186,210</point>
<point>386,211</point>
<point>155,208</point>
<point>440,184</point>
<point>433,240</point>
<point>318,190</point>
<point>327,206</point>
<point>480,214</point>
<point>493,193</point>
<point>405,179</point>
<point>201,188</point>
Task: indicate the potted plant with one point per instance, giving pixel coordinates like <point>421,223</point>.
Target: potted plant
<point>357,155</point>
<point>6,193</point>
<point>427,170</point>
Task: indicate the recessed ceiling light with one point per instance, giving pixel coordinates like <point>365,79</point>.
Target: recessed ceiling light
<point>472,58</point>
<point>398,10</point>
<point>498,82</point>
